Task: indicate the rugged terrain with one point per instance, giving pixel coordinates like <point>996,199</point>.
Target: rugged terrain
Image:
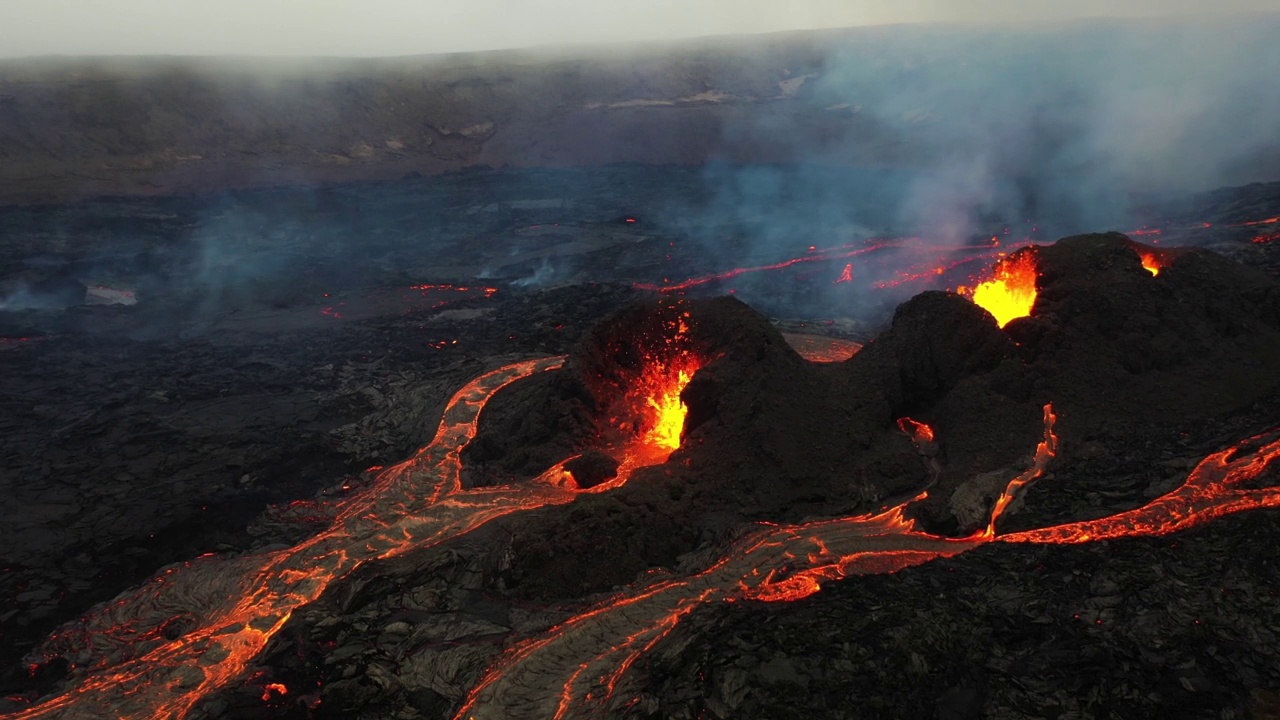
<point>279,381</point>
<point>1014,103</point>
<point>237,297</point>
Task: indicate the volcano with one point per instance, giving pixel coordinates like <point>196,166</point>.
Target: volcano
<point>869,373</point>
<point>619,532</point>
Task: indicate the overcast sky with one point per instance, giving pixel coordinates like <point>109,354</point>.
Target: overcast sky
<point>405,27</point>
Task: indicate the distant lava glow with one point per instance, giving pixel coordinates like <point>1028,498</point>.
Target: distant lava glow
<point>1156,259</point>
<point>1011,291</point>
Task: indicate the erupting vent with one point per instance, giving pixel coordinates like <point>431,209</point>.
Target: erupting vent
<point>668,410</point>
<point>1011,292</point>
<point>652,415</point>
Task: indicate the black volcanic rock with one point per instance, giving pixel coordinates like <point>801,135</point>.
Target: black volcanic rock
<point>592,468</point>
<point>936,340</point>
<point>1111,347</point>
<point>1110,340</point>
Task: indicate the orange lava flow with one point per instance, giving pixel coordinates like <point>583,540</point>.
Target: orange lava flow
<point>1264,239</point>
<point>584,662</point>
<point>822,349</point>
<point>917,431</point>
<point>1011,292</point>
<point>1212,490</point>
<point>846,275</point>
<point>1151,262</point>
<point>815,256</point>
<point>582,667</point>
<point>1255,223</point>
<point>240,603</point>
<point>1045,452</point>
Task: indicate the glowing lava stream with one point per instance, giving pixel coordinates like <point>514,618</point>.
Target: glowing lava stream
<point>579,669</point>
<point>822,255</point>
<point>132,670</point>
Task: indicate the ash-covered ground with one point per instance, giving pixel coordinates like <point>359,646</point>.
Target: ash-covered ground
<point>279,344</point>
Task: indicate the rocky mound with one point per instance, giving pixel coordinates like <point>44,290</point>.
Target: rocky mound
<point>769,436</point>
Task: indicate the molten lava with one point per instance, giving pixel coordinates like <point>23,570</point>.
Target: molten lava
<point>1151,262</point>
<point>1045,452</point>
<point>816,255</point>
<point>1011,292</point>
<point>669,411</point>
<point>917,431</point>
<point>1255,223</point>
<point>846,275</point>
<point>821,349</point>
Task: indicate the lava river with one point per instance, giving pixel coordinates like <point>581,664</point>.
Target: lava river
<point>126,665</point>
<point>123,659</point>
<point>579,669</point>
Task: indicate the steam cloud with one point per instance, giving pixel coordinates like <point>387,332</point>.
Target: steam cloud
<point>1076,122</point>
<point>1074,127</point>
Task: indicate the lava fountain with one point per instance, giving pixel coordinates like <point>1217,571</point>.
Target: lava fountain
<point>647,418</point>
<point>1010,293</point>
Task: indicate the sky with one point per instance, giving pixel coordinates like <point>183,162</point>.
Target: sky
<point>410,27</point>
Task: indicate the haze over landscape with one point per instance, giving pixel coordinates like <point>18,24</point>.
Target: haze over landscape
<point>380,28</point>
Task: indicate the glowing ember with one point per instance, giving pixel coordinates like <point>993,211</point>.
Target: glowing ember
<point>846,275</point>
<point>929,272</point>
<point>1011,293</point>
